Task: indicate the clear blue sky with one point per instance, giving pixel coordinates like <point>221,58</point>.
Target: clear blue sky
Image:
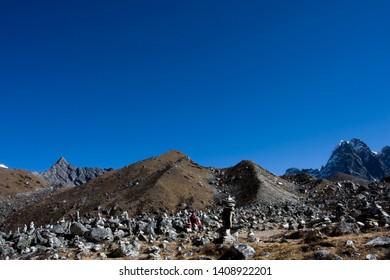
<point>108,83</point>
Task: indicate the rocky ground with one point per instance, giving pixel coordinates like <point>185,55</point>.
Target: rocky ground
<point>272,232</point>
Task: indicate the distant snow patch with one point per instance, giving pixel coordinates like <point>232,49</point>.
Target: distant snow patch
<point>3,166</point>
<point>342,142</point>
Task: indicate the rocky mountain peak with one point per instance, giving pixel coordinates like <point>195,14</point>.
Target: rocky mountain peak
<point>345,160</point>
<point>343,142</point>
<point>62,161</point>
<point>172,155</point>
<point>384,155</point>
<point>62,173</point>
<point>386,150</point>
<point>354,158</point>
<point>355,145</point>
<point>343,148</point>
<point>358,145</point>
<point>362,150</point>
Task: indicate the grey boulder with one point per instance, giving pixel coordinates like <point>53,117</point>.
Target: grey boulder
<point>379,241</point>
<point>78,229</point>
<point>99,235</point>
<point>243,251</point>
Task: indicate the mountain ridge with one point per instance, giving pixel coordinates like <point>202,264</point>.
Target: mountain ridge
<point>353,158</point>
<point>63,174</point>
<point>165,183</point>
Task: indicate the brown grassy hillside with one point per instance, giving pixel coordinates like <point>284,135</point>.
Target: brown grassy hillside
<point>13,181</point>
<point>169,182</point>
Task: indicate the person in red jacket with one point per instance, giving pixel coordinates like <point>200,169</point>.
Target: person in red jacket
<point>195,222</point>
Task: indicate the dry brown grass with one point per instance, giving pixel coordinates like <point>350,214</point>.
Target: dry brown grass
<point>273,247</point>
<point>300,250</point>
<point>14,181</point>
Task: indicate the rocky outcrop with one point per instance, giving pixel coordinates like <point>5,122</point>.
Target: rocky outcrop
<point>62,173</point>
<point>249,183</point>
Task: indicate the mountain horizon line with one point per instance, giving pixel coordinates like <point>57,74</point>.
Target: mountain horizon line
<point>317,172</point>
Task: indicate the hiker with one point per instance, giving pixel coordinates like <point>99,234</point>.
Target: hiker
<point>195,222</point>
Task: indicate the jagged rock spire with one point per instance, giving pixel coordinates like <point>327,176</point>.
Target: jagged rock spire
<point>62,173</point>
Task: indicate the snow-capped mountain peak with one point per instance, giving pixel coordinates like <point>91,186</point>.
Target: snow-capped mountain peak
<point>359,146</point>
<point>343,142</point>
<point>3,166</point>
<point>354,158</point>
